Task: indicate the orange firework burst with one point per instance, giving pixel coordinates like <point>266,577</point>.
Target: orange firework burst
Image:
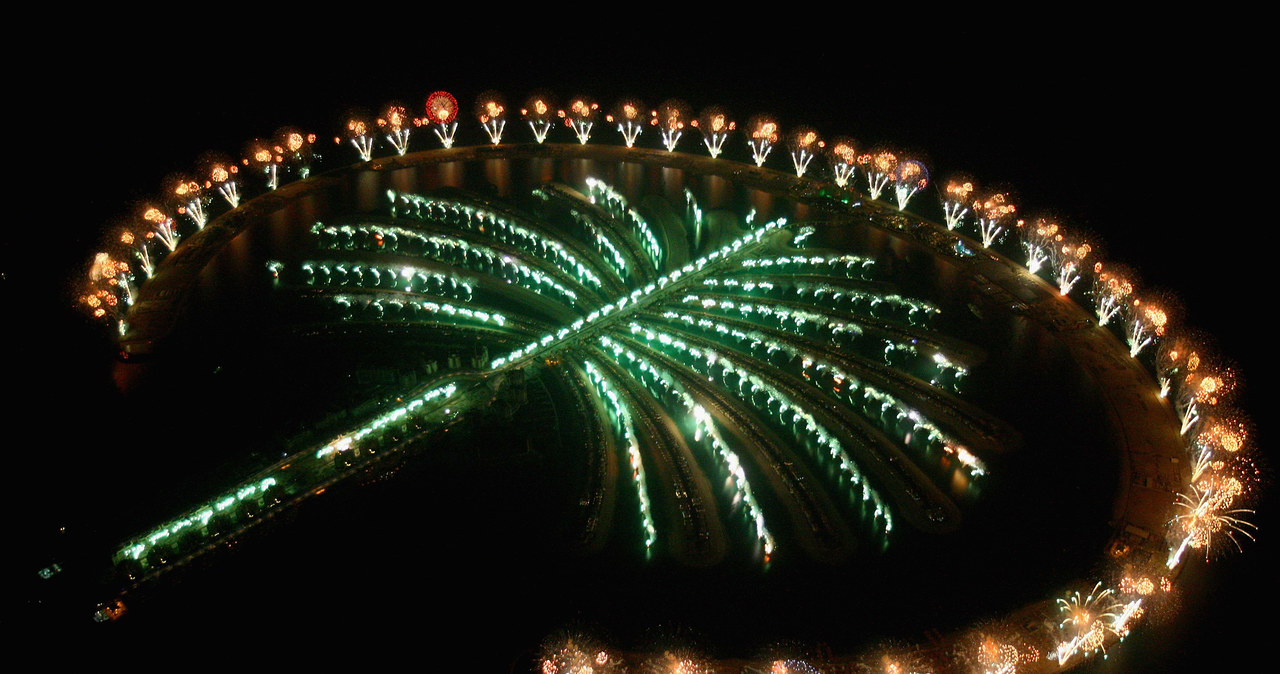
<point>442,107</point>
<point>490,105</point>
<point>394,118</point>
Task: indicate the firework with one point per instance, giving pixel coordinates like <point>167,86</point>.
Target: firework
<point>1067,257</point>
<point>1113,288</point>
<point>1087,622</point>
<point>263,157</point>
<point>222,175</point>
<point>188,198</point>
<point>361,135</point>
<point>1148,321</point>
<point>844,159</point>
<point>992,211</point>
<point>296,148</point>
<point>575,655</point>
<point>804,143</point>
<point>491,109</point>
<point>1176,357</point>
<point>138,246</point>
<point>395,124</point>
<point>1205,517</point>
<point>538,112</point>
<point>677,663</point>
<point>1203,387</point>
<point>581,116</point>
<point>764,133</point>
<point>715,125</point>
<point>670,118</point>
<point>955,200</point>
<point>442,111</point>
<point>910,177</point>
<point>110,289</point>
<point>880,167</point>
<point>160,226</point>
<point>629,116</point>
<point>1037,240</point>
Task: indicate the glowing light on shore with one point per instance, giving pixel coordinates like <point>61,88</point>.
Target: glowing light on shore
<point>539,113</point>
<point>764,134</point>
<point>670,118</point>
<point>715,125</point>
<point>844,159</point>
<point>804,143</point>
<point>442,112</point>
<point>395,125</point>
<point>581,117</point>
<point>910,177</point>
<point>955,200</point>
<point>491,110</point>
<point>992,212</point>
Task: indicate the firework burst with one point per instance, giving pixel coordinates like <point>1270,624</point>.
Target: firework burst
<point>396,126</point>
<point>670,118</point>
<point>955,200</point>
<point>804,143</point>
<point>715,125</point>
<point>491,109</point>
<point>1113,288</point>
<point>581,116</point>
<point>442,112</point>
<point>992,212</point>
<point>361,135</point>
<point>880,167</point>
<point>222,177</point>
<point>264,158</point>
<point>539,113</point>
<point>1087,622</point>
<point>764,135</point>
<point>910,177</point>
<point>188,198</point>
<point>844,159</point>
<point>1067,258</point>
<point>628,114</point>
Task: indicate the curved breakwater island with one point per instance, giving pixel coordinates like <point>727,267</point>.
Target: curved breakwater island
<point>642,396</point>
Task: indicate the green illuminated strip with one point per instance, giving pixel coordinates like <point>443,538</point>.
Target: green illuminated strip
<point>628,433</point>
<point>616,205</point>
<point>704,428</point>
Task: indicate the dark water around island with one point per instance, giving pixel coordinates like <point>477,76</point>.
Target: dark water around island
<point>466,544</point>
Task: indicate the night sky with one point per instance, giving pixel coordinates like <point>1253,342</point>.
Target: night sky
<point>1138,146</point>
